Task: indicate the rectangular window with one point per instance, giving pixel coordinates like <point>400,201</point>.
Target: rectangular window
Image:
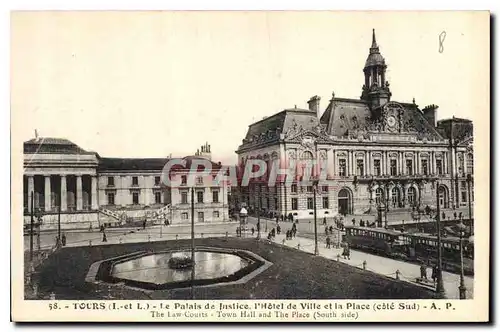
<point>184,216</point>
<point>439,166</point>
<point>216,214</point>
<point>342,167</point>
<point>157,197</point>
<point>295,204</point>
<point>393,167</point>
<point>157,180</point>
<point>111,181</point>
<point>294,188</point>
<point>135,180</point>
<point>201,216</point>
<point>360,167</point>
<point>135,198</point>
<point>184,198</point>
<point>326,203</point>
<point>376,167</point>
<point>324,189</point>
<point>409,166</point>
<point>183,180</point>
<point>111,198</point>
<point>463,185</point>
<point>199,195</point>
<point>310,204</point>
<point>309,189</point>
<point>464,196</point>
<point>425,167</point>
<point>199,180</point>
<point>215,196</point>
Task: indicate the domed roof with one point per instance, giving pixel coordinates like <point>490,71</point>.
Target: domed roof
<point>374,58</point>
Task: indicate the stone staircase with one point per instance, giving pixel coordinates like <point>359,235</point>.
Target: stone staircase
<point>158,216</point>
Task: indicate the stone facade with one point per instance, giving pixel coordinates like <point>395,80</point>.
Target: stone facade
<point>376,153</point>
<point>80,189</point>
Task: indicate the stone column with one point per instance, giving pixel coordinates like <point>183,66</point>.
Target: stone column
<point>31,191</point>
<point>464,166</point>
<point>94,204</point>
<point>79,196</point>
<point>434,170</point>
<point>331,163</point>
<point>368,170</point>
<point>64,193</point>
<point>47,193</point>
<point>418,163</point>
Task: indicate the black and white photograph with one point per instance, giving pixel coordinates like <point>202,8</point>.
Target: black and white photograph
<point>251,166</point>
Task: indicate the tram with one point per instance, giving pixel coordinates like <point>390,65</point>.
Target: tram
<point>381,241</point>
<point>413,247</point>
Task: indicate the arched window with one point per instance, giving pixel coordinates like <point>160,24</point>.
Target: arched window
<point>379,196</point>
<point>470,163</point>
<point>412,196</point>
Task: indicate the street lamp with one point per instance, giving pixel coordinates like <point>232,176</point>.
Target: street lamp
<point>439,285</point>
<point>461,288</point>
<point>258,218</point>
<point>315,188</point>
<point>469,181</point>
<point>192,244</point>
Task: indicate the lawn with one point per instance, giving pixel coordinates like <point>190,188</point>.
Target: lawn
<point>293,275</point>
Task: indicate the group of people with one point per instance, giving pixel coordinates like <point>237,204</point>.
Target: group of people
<point>423,272</point>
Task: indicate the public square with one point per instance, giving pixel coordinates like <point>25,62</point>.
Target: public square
<point>379,270</point>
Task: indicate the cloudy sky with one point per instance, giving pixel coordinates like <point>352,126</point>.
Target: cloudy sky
<point>146,84</point>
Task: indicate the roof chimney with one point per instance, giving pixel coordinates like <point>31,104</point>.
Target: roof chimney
<point>430,114</point>
<point>314,104</point>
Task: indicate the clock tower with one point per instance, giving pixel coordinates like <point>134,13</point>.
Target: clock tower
<point>376,89</point>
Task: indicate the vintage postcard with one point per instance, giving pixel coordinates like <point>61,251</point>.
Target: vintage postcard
<point>321,166</point>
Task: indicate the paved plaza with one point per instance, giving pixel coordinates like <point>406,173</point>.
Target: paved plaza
<point>303,242</point>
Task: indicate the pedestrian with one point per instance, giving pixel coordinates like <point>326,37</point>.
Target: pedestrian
<point>331,229</point>
<point>326,230</point>
<point>361,223</point>
<point>423,271</point>
<point>253,231</point>
<point>455,215</point>
<point>434,273</point>
<point>328,242</point>
<point>460,216</point>
<point>63,240</point>
<point>104,238</point>
<point>294,232</point>
<point>144,224</point>
<point>354,221</point>
<point>278,229</point>
<point>443,215</point>
<point>237,231</point>
<point>324,221</point>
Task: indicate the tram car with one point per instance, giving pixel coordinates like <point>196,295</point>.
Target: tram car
<point>380,241</point>
<point>423,247</point>
<point>413,247</point>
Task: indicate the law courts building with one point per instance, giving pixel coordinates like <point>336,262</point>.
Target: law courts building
<point>378,152</point>
<point>84,189</point>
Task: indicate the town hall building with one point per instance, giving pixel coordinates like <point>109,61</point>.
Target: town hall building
<point>379,153</point>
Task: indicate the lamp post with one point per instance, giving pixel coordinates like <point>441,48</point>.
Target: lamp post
<point>192,244</point>
<point>315,188</point>
<point>258,218</point>
<point>439,285</point>
<point>386,204</point>
<point>469,181</point>
<point>461,288</point>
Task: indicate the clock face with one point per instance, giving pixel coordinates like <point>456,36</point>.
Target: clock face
<point>391,121</point>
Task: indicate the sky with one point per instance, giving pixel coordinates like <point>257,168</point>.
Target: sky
<point>150,84</point>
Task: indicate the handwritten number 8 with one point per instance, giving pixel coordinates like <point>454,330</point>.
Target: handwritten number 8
<point>442,37</point>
